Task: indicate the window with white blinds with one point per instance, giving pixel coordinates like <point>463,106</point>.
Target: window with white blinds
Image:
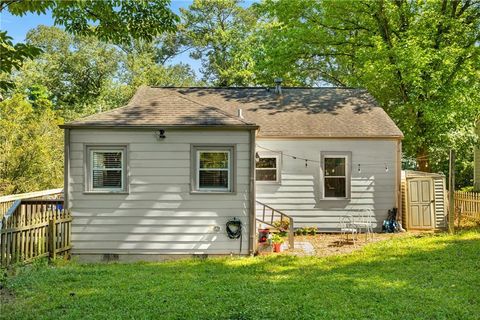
<point>213,168</point>
<point>107,169</point>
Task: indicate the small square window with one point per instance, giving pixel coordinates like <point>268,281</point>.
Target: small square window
<point>267,168</point>
<point>106,169</point>
<point>213,169</point>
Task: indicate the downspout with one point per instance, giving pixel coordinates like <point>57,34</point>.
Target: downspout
<point>398,182</point>
<point>252,223</point>
<point>66,168</point>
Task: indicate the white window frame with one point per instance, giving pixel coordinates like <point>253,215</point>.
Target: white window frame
<point>278,158</point>
<point>90,150</point>
<point>347,176</point>
<point>195,150</point>
<point>228,169</point>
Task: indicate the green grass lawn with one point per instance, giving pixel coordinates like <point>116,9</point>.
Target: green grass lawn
<point>429,277</point>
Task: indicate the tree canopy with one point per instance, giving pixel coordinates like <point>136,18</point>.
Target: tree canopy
<point>114,21</point>
<point>219,33</point>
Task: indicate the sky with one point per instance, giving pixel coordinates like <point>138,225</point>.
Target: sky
<point>17,28</point>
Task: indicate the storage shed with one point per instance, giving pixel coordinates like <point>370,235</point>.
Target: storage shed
<point>424,203</point>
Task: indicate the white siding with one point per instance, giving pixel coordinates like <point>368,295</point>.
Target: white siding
<point>298,194</point>
<point>159,215</point>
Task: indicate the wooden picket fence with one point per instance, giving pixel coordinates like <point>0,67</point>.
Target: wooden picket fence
<point>467,204</point>
<point>7,201</point>
<point>34,228</point>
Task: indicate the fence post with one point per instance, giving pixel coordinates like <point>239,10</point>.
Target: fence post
<point>52,239</point>
<point>460,212</point>
<point>291,238</point>
<point>451,193</point>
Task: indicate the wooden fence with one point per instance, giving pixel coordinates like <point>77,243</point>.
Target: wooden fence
<point>467,204</point>
<point>34,228</point>
<point>7,201</point>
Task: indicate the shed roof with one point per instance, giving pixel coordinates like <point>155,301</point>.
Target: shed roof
<point>421,174</point>
<point>297,112</point>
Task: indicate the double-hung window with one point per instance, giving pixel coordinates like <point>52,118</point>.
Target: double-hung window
<point>106,170</point>
<point>336,176</point>
<point>267,168</point>
<point>213,171</point>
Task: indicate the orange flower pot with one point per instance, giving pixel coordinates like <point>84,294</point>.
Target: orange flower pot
<point>277,247</point>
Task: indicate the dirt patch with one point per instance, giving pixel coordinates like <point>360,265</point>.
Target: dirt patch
<point>6,296</point>
<point>333,244</point>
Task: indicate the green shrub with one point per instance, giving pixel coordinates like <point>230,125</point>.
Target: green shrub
<point>277,238</point>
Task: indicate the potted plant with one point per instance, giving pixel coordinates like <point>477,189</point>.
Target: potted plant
<point>282,227</point>
<point>305,231</point>
<point>277,241</point>
<point>312,231</point>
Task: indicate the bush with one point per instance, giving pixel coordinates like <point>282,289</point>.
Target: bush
<point>277,238</point>
<point>282,226</point>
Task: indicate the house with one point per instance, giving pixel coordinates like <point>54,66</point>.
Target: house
<point>164,174</point>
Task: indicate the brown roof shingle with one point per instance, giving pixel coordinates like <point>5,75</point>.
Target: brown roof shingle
<point>161,108</point>
<point>297,112</point>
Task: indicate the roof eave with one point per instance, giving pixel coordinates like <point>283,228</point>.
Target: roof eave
<point>389,137</point>
<point>158,126</point>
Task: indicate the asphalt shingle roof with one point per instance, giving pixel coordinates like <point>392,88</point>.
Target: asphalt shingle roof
<point>150,107</point>
<point>297,112</point>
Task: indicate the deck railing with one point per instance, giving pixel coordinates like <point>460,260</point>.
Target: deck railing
<point>35,228</point>
<point>7,201</point>
<point>269,215</point>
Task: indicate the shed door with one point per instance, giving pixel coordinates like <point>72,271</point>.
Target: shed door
<point>420,201</point>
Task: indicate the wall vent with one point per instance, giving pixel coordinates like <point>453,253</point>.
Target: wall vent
<point>110,257</point>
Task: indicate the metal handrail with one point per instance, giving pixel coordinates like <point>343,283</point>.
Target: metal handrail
<point>282,217</point>
<point>10,211</point>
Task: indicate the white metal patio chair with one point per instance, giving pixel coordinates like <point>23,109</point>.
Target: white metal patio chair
<point>347,227</point>
<point>364,222</point>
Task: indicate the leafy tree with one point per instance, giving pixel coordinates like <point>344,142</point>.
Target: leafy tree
<point>82,75</point>
<point>31,148</point>
<point>419,59</point>
<point>220,34</point>
<point>12,57</point>
<point>146,64</point>
<point>76,71</point>
<point>115,21</point>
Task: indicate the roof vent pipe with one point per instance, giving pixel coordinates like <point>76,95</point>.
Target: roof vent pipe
<point>240,113</point>
<point>278,85</point>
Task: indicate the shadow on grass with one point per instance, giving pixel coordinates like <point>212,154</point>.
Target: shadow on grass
<point>433,277</point>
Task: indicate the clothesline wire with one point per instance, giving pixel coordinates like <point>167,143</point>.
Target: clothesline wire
<point>317,161</point>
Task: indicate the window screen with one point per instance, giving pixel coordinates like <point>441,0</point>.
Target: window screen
<point>107,169</point>
<point>214,170</point>
<point>267,169</point>
<point>335,179</point>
